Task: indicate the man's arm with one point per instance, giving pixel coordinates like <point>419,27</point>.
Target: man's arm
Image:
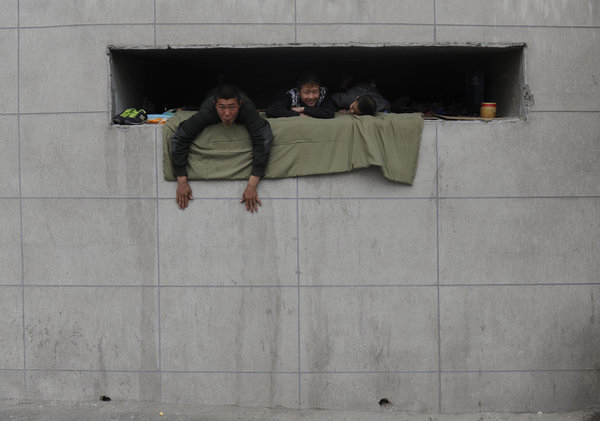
<point>186,133</point>
<point>250,196</point>
<point>325,110</point>
<point>184,192</point>
<point>180,145</point>
<point>262,138</point>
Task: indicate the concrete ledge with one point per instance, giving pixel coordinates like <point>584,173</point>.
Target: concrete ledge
<point>147,411</point>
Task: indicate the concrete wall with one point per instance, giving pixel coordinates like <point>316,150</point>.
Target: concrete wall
<point>476,289</point>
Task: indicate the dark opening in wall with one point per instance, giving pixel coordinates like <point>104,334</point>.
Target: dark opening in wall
<point>442,79</point>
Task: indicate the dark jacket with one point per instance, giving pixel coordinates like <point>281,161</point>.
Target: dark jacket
<point>282,105</point>
<point>258,128</point>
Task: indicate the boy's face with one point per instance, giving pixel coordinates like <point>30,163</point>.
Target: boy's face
<point>309,94</point>
<point>354,108</point>
<point>228,110</point>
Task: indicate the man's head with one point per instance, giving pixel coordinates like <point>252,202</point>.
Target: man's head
<point>363,105</point>
<point>227,101</point>
<point>309,88</point>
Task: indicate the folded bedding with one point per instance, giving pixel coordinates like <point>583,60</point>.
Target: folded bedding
<point>304,146</point>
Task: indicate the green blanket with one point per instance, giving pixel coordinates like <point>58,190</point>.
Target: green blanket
<point>305,146</point>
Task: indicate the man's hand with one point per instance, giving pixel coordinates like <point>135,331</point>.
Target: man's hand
<point>184,192</point>
<point>250,196</point>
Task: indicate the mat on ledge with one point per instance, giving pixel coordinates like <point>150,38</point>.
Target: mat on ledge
<point>305,146</point>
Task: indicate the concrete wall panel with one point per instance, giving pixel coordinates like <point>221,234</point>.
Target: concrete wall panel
<point>256,249</point>
<point>369,329</point>
<point>11,329</point>
<point>492,160</point>
<point>90,385</point>
<point>514,12</point>
<point>254,390</point>
<point>89,242</point>
<point>554,328</point>
<point>91,328</point>
<point>9,158</point>
<point>414,392</point>
<point>223,34</point>
<point>520,241</point>
<point>9,13</point>
<point>229,329</point>
<point>73,12</point>
<point>533,392</point>
<point>82,156</point>
<point>227,11</point>
<point>357,11</point>
<point>363,34</point>
<point>65,69</point>
<point>10,242</point>
<point>561,63</point>
<point>12,385</point>
<point>367,242</point>
<point>8,71</point>
<point>370,183</point>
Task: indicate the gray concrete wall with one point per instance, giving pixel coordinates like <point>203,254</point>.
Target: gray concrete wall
<point>476,289</point>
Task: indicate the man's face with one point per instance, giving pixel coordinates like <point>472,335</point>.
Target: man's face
<point>354,108</point>
<point>309,94</point>
<point>228,110</point>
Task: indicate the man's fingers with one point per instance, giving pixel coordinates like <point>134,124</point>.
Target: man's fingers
<point>182,201</point>
<point>251,205</point>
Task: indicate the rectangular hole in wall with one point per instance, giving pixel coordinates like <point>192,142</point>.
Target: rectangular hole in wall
<point>442,79</point>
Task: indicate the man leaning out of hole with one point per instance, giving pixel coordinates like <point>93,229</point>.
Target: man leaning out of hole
<point>227,105</point>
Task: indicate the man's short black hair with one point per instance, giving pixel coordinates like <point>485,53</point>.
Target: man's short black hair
<point>308,79</point>
<point>366,105</point>
<point>226,91</point>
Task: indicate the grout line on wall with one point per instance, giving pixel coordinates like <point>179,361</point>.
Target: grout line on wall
<point>158,328</point>
<point>437,241</point>
<point>83,25</point>
<point>471,25</point>
<point>563,111</point>
<point>69,113</point>
<point>295,22</point>
<point>86,198</point>
<point>154,26</point>
<point>298,290</point>
<point>87,286</point>
<point>346,372</point>
<point>370,286</point>
<point>515,197</point>
<point>538,284</point>
<point>348,286</point>
<point>558,370</point>
<point>434,25</point>
<point>21,196</point>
